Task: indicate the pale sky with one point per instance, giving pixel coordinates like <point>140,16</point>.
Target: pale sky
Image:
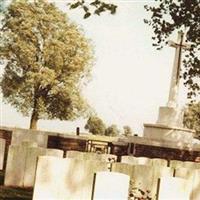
<point>130,78</point>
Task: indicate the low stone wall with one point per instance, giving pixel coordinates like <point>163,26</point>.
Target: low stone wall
<point>163,152</point>
<point>137,146</point>
<point>67,143</point>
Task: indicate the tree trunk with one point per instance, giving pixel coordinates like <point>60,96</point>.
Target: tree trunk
<point>35,115</point>
<point>34,120</point>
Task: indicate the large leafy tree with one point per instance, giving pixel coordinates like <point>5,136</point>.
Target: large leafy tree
<point>127,131</point>
<point>95,125</point>
<point>192,117</point>
<point>112,130</point>
<point>169,16</point>
<point>47,58</point>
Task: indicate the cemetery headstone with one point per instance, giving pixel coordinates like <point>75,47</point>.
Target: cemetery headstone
<point>173,188</point>
<point>136,160</point>
<point>159,162</point>
<point>73,178</point>
<point>20,135</point>
<point>15,164</point>
<point>184,164</point>
<point>22,161</point>
<point>91,156</point>
<point>48,177</point>
<point>143,177</point>
<point>193,178</point>
<point>104,188</point>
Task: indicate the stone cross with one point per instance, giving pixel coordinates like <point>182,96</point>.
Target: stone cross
<point>175,78</point>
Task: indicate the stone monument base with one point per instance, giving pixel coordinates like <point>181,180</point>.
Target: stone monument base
<point>169,116</point>
<point>166,133</point>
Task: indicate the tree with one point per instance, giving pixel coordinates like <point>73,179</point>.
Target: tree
<point>112,130</point>
<point>192,117</point>
<point>93,7</point>
<point>168,16</point>
<point>127,131</point>
<point>47,61</point>
<point>95,125</point>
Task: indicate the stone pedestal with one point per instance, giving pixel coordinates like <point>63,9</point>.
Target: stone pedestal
<point>166,133</point>
<point>169,127</point>
<point>169,116</point>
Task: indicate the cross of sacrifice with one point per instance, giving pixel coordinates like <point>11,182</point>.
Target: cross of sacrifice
<point>174,85</point>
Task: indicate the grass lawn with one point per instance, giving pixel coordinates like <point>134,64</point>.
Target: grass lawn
<point>9,193</point>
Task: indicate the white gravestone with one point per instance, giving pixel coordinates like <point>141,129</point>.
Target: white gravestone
<point>21,135</point>
<point>193,178</point>
<point>91,156</point>
<point>136,160</point>
<point>72,178</point>
<point>111,186</point>
<point>48,177</point>
<point>159,162</point>
<point>171,188</point>
<point>143,177</point>
<point>75,154</point>
<point>2,152</point>
<point>31,162</point>
<point>22,161</point>
<point>184,164</point>
<point>16,163</point>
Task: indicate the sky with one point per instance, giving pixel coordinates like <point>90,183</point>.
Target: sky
<point>130,78</point>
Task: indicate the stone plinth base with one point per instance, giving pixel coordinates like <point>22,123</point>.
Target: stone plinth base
<point>166,133</point>
<point>170,116</point>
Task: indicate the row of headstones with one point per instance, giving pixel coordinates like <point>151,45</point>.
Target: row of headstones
<point>69,178</point>
<point>157,161</point>
<point>22,162</point>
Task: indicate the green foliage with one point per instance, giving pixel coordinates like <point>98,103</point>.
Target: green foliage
<point>93,7</point>
<point>112,130</point>
<point>47,60</point>
<point>169,16</point>
<point>95,125</point>
<point>192,117</point>
<point>127,131</point>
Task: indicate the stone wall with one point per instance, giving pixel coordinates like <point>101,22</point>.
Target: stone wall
<point>67,143</point>
<point>163,152</point>
<point>137,146</point>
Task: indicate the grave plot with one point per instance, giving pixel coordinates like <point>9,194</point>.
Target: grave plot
<point>66,178</point>
<point>22,161</point>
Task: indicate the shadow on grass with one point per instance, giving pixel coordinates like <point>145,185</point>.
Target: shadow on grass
<point>10,193</point>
